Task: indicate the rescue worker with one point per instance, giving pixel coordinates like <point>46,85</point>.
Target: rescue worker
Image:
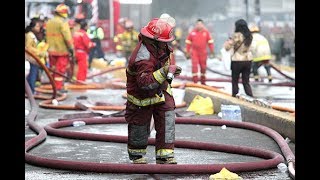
<point>32,44</point>
<point>261,53</point>
<point>126,41</point>
<point>61,49</point>
<point>149,93</point>
<point>96,34</point>
<point>196,47</point>
<point>241,57</point>
<point>82,45</point>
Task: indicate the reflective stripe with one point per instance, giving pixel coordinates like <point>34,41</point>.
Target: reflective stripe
<point>164,153</point>
<point>137,151</point>
<point>263,42</point>
<point>210,41</point>
<point>188,41</point>
<point>194,74</point>
<point>58,78</point>
<point>169,90</point>
<point>81,50</point>
<point>169,127</point>
<point>203,74</point>
<point>159,76</point>
<point>119,47</point>
<point>146,101</point>
<point>265,57</point>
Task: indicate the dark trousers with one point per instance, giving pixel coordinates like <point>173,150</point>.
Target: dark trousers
<point>32,76</point>
<point>243,68</point>
<point>96,51</point>
<point>256,65</point>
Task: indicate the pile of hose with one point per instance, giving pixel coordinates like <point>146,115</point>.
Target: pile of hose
<point>271,159</point>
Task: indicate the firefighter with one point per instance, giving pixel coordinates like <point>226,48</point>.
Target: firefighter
<point>33,44</point>
<point>127,40</point>
<point>149,93</point>
<point>196,47</point>
<point>61,49</point>
<point>261,53</point>
<point>82,45</point>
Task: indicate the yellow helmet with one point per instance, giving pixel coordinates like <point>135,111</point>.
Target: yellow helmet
<point>254,28</point>
<point>63,10</point>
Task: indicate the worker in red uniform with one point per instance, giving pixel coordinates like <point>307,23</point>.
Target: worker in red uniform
<point>196,46</point>
<point>82,45</point>
<point>60,41</point>
<point>149,93</point>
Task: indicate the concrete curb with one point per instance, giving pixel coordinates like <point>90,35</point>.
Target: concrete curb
<point>282,122</point>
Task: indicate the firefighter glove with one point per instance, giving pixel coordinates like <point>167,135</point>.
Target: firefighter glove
<point>173,70</point>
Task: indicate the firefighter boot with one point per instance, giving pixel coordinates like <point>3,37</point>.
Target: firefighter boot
<point>195,79</point>
<point>203,79</point>
<point>141,160</point>
<point>169,160</point>
<point>270,79</point>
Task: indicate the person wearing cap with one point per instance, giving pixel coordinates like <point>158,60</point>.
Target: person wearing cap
<point>61,49</point>
<point>149,75</point>
<point>261,52</point>
<point>82,45</point>
<point>196,47</point>
<point>126,41</point>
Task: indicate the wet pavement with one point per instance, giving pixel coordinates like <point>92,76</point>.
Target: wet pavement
<point>96,151</point>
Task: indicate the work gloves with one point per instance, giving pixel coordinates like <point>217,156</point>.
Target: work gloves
<point>173,70</point>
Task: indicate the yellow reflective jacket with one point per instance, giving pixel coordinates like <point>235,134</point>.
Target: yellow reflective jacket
<point>260,48</point>
<point>126,41</point>
<point>59,36</point>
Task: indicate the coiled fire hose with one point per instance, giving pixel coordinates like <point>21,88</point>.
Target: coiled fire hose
<point>271,159</point>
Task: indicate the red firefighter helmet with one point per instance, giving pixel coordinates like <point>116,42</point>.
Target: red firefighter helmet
<point>159,30</point>
<point>62,9</point>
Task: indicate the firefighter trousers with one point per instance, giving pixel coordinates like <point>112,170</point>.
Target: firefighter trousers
<point>82,60</point>
<point>139,119</point>
<point>199,59</point>
<point>59,64</point>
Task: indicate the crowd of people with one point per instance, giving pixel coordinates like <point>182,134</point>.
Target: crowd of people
<point>62,45</point>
